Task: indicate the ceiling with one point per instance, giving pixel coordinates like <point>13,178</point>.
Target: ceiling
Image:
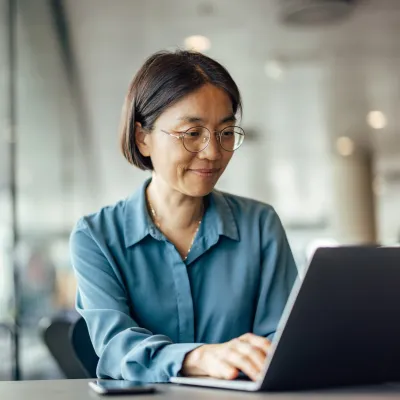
<point>333,75</point>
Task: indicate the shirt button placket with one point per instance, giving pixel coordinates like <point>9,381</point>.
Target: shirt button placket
<point>184,297</point>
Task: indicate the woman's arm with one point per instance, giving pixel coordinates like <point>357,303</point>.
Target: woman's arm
<point>126,351</point>
<point>278,274</point>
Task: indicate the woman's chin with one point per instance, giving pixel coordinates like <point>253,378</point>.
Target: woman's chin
<point>197,185</point>
<point>200,189</point>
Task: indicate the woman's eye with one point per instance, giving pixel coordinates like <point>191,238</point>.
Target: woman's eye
<point>227,133</point>
<point>193,134</point>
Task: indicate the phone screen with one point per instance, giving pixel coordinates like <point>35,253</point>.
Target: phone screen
<point>120,387</point>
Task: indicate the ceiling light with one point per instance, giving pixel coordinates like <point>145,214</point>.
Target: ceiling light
<point>345,146</point>
<point>376,119</point>
<point>273,69</point>
<point>197,43</point>
<point>311,12</point>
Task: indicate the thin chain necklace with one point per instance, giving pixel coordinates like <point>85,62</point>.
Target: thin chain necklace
<point>158,224</point>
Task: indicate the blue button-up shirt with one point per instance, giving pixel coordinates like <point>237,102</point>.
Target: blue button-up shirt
<point>146,308</point>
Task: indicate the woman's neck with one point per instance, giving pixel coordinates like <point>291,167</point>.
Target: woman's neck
<point>173,210</point>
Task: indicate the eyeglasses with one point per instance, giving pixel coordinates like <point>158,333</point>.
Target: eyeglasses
<point>197,138</point>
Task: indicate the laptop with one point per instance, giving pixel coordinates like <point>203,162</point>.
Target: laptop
<point>340,326</point>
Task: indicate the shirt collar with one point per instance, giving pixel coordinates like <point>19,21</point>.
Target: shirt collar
<point>138,224</point>
<point>219,216</point>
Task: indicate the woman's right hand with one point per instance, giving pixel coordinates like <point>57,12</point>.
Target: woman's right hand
<point>246,353</point>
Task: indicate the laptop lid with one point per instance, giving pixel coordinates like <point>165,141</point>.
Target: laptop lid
<point>341,325</point>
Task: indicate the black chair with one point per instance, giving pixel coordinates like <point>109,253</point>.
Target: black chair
<point>9,328</point>
<point>83,348</point>
<point>55,334</point>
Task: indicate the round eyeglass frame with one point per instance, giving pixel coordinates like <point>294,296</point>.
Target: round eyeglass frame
<point>182,135</point>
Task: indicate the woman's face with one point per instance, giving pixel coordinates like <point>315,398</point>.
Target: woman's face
<point>193,174</point>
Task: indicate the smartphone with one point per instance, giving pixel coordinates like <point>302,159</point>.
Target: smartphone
<point>108,387</point>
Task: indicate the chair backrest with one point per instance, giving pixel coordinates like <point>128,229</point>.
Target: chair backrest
<point>55,334</point>
<point>9,329</point>
<point>83,348</point>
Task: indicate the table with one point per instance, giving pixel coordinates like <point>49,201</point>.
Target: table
<point>77,389</point>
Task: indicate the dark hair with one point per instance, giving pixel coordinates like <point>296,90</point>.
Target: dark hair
<point>165,78</point>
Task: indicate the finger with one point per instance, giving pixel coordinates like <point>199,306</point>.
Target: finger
<point>223,370</point>
<point>258,341</point>
<point>256,355</point>
<point>243,363</point>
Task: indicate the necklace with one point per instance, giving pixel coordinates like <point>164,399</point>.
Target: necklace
<point>158,224</point>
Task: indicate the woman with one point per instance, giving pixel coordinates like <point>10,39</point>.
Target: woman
<point>180,278</point>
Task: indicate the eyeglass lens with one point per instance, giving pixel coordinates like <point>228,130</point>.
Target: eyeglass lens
<point>197,138</point>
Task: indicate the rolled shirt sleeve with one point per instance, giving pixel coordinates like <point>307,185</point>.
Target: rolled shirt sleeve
<point>126,350</point>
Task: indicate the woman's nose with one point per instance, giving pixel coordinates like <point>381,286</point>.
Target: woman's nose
<point>213,149</point>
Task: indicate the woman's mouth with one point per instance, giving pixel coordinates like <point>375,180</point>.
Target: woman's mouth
<point>206,172</point>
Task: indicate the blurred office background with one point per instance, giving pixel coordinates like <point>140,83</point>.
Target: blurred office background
<point>321,91</point>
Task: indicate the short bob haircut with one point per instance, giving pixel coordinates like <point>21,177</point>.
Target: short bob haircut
<point>165,78</point>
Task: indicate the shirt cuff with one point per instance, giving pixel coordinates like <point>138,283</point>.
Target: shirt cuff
<point>174,355</point>
<point>270,337</point>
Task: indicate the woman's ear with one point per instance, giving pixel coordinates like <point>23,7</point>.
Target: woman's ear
<point>142,140</point>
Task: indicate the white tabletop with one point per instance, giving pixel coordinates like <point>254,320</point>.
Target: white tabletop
<point>77,389</point>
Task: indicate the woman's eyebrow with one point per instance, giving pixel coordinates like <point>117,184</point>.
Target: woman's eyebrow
<point>191,119</point>
<point>229,118</point>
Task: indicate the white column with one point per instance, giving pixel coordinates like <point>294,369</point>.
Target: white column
<point>353,199</point>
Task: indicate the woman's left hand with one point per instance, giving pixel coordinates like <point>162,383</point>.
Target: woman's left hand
<point>246,353</point>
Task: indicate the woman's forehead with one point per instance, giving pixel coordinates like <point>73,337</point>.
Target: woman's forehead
<point>208,104</point>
